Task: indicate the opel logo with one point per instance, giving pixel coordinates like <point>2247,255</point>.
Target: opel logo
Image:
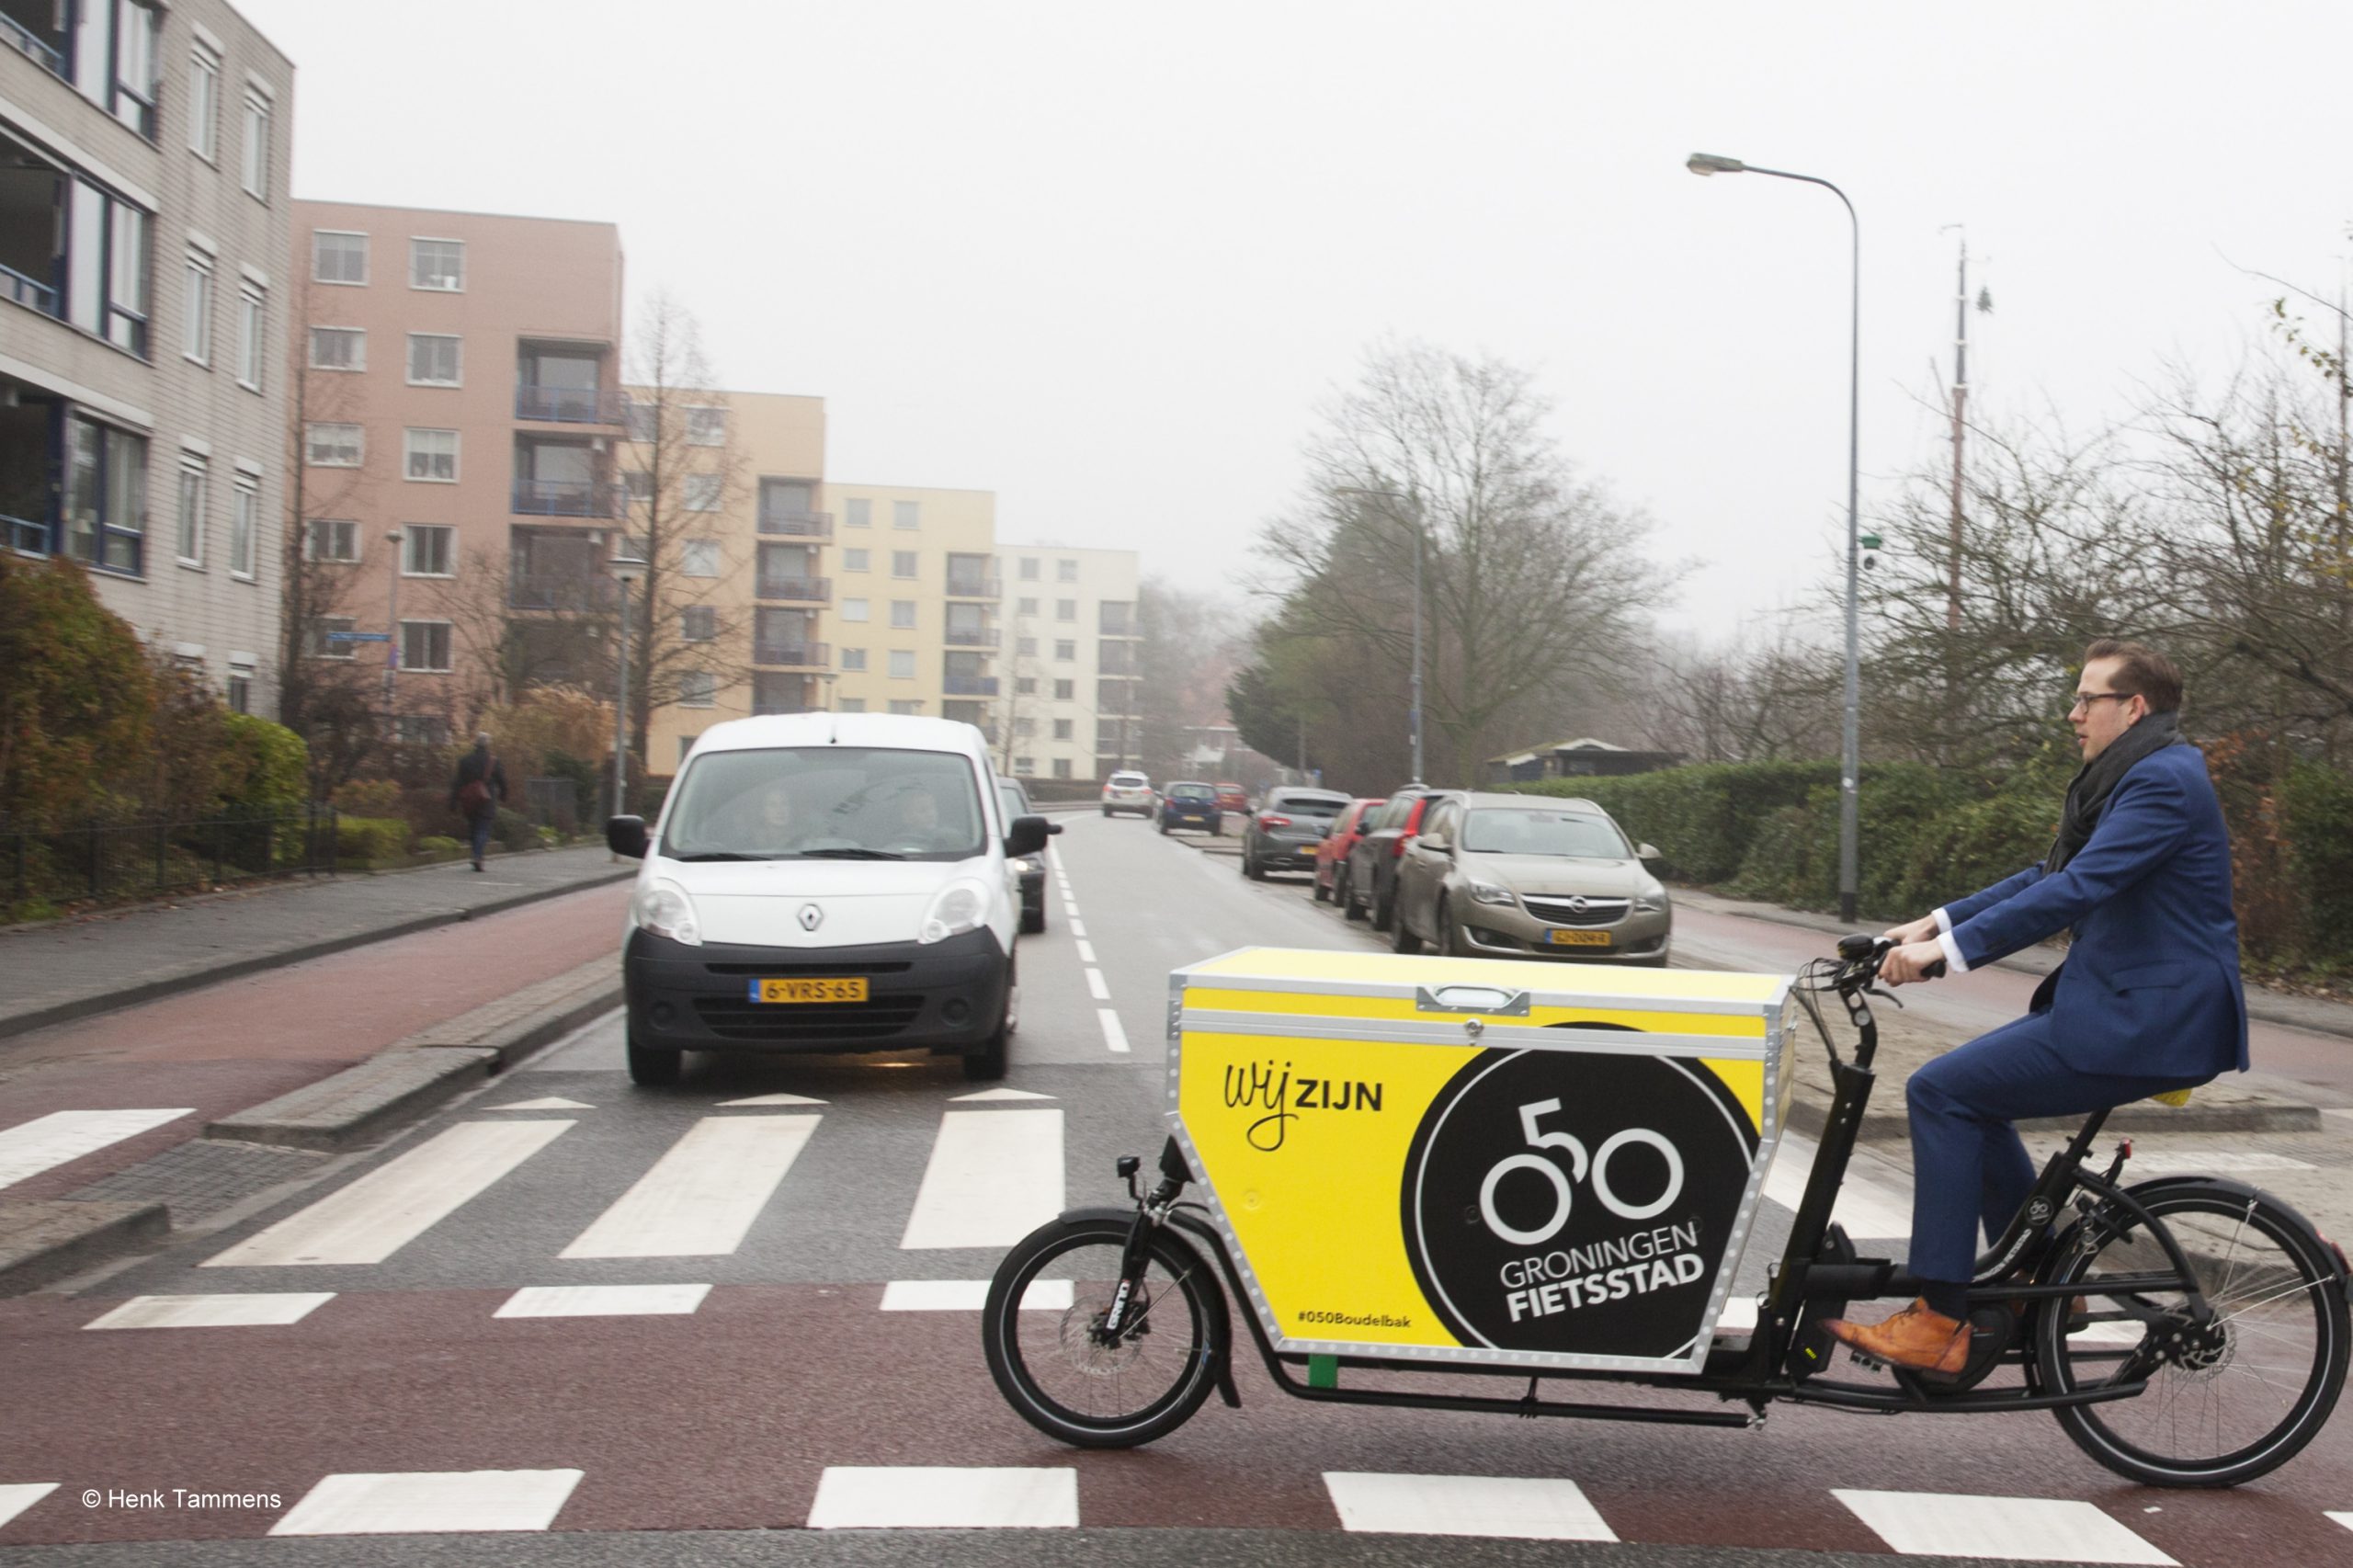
<point>812,918</point>
<point>1577,904</point>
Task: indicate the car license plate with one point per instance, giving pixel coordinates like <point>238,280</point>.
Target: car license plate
<point>852,989</point>
<point>1577,938</point>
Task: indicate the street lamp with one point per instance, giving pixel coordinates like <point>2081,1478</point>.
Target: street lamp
<point>1850,753</point>
<point>1414,721</point>
<point>627,569</point>
<point>392,624</point>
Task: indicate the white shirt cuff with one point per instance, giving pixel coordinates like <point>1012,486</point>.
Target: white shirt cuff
<point>1954,962</point>
<point>1944,921</point>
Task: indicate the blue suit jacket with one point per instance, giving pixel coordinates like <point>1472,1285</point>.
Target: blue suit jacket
<point>2151,984</point>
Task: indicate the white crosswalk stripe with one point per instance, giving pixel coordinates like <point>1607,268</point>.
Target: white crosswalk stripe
<point>602,1301</point>
<point>430,1501</point>
<point>17,1496</point>
<point>48,1142</point>
<point>995,1175</point>
<point>944,1497</point>
<point>970,1296</point>
<point>1931,1524</point>
<point>1525,1509</point>
<point>703,1195</point>
<point>258,1308</point>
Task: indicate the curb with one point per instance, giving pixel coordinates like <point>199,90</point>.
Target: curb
<point>42,1240</point>
<point>170,985</point>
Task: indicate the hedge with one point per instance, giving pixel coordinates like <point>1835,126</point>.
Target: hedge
<point>370,840</point>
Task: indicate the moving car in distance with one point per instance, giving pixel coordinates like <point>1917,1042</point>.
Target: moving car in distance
<point>1190,804</point>
<point>1033,867</point>
<point>1522,876</point>
<point>1332,854</point>
<point>1127,792</point>
<point>1231,797</point>
<point>1372,859</point>
<point>1287,826</point>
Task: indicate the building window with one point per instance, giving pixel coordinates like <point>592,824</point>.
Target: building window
<point>638,485</point>
<point>338,256</point>
<point>706,426</point>
<point>105,497</point>
<point>854,610</point>
<point>1023,729</point>
<point>698,623</point>
<point>1025,607</point>
<point>644,422</point>
<point>699,491</point>
<point>104,265</point>
<point>127,303</point>
<point>421,729</point>
<point>1065,690</point>
<point>427,550</point>
<point>906,515</point>
<point>256,145</point>
<point>1025,647</point>
<point>902,614</point>
<point>854,658</point>
<point>332,538</point>
<point>1062,767</point>
<point>240,692</point>
<point>699,558</point>
<point>338,348</point>
<point>134,66</point>
<point>906,705</point>
<point>902,564</point>
<point>431,455</point>
<point>438,264</point>
<point>854,560</point>
<point>1025,765</point>
<point>1065,610</point>
<point>204,105</point>
<point>244,528</point>
<point>1065,570</point>
<point>857,512</point>
<point>333,446</point>
<point>191,531</point>
<point>1061,729</point>
<point>696,688</point>
<point>1029,574</point>
<point>196,310</point>
<point>252,328</point>
<point>1065,651</point>
<point>850,705</point>
<point>433,359</point>
<point>903,664</point>
<point>323,643</point>
<point>424,646</point>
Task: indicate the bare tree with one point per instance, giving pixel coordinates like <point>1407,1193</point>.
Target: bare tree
<point>1757,697</point>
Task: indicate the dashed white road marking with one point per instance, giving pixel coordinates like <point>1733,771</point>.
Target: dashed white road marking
<point>15,1496</point>
<point>46,1142</point>
<point>944,1497</point>
<point>1085,951</point>
<point>1933,1524</point>
<point>969,1296</point>
<point>770,1100</point>
<point>995,1175</point>
<point>271,1308</point>
<point>1078,928</point>
<point>1113,1035</point>
<point>1526,1509</point>
<point>1095,986</point>
<point>602,1301</point>
<point>431,1500</point>
<point>703,1194</point>
<point>545,1102</point>
<point>985,1096</point>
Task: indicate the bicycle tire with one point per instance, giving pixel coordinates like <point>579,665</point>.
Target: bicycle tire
<point>2276,1292</point>
<point>1024,1347</point>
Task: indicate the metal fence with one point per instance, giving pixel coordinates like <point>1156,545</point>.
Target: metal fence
<point>106,860</point>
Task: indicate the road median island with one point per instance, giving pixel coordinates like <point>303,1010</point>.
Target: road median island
<point>46,1239</point>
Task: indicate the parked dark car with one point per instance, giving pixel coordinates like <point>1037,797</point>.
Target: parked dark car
<point>1189,803</point>
<point>1015,802</point>
<point>1332,854</point>
<point>1372,863</point>
<point>1289,824</point>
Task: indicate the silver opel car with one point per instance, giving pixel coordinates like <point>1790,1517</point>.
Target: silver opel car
<point>1530,876</point>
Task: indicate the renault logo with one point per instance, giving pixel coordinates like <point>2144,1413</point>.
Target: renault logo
<point>812,918</point>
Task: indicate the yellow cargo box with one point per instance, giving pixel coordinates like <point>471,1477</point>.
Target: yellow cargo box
<point>1475,1162</point>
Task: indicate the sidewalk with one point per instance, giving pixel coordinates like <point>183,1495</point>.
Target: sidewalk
<point>52,973</point>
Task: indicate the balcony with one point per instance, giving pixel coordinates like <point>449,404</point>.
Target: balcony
<point>560,590</point>
<point>24,291</point>
<point>792,655</point>
<point>971,686</point>
<point>23,536</point>
<point>972,636</point>
<point>562,498</point>
<point>796,525</point>
<point>25,41</point>
<point>796,590</point>
<point>568,405</point>
<point>961,586</point>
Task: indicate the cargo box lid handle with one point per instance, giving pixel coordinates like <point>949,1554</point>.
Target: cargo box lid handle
<point>1491,999</point>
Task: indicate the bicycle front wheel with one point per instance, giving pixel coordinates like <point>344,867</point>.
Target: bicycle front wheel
<point>1042,1331</point>
<point>2239,1398</point>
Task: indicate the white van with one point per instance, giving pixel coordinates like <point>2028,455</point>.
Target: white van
<point>826,881</point>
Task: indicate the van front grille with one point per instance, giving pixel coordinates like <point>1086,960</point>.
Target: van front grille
<point>878,1017</point>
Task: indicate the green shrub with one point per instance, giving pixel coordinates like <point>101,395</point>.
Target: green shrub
<point>370,840</point>
<point>369,797</point>
<point>2316,809</point>
<point>264,766</point>
<point>440,843</point>
<point>513,830</point>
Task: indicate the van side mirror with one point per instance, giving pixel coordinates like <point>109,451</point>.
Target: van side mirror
<point>1647,852</point>
<point>1029,836</point>
<point>625,835</point>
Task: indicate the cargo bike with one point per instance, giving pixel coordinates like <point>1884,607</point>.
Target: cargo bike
<point>1401,1167</point>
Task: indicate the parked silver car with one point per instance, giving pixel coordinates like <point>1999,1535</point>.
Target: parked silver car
<point>1521,876</point>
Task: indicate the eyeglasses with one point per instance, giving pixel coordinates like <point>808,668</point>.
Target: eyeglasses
<point>2083,699</point>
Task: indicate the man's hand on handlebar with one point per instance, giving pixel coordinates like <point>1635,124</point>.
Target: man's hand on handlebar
<point>1924,929</point>
<point>1914,959</point>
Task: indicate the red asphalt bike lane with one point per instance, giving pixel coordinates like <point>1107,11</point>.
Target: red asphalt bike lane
<point>725,1419</point>
<point>230,1046</point>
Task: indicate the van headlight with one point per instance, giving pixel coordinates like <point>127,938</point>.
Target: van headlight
<point>962,906</point>
<point>1489,893</point>
<point>665,911</point>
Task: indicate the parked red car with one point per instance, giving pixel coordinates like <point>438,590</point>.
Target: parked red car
<point>1332,854</point>
<point>1232,798</point>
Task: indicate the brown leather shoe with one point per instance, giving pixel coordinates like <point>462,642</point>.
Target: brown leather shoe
<point>1918,1337</point>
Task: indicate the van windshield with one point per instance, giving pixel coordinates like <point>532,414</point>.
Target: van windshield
<point>826,802</point>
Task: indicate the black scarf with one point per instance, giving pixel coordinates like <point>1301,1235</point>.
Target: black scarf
<point>2088,796</point>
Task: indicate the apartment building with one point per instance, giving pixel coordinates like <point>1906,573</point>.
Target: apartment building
<point>144,215</point>
<point>1071,662</point>
<point>914,620</point>
<point>456,383</point>
<point>753,581</point>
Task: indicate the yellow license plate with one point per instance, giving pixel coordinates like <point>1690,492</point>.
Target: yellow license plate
<point>1577,938</point>
<point>852,989</point>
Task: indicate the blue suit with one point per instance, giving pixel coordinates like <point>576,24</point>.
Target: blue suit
<point>2149,999</point>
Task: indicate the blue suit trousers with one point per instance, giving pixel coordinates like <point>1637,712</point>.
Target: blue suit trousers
<point>1969,1165</point>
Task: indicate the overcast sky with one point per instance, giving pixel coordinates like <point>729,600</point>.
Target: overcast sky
<point>1104,259</point>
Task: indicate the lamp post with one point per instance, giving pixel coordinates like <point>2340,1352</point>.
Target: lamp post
<point>392,625</point>
<point>1850,752</point>
<point>627,569</point>
<point>1413,719</point>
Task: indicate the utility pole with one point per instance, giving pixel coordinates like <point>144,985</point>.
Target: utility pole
<point>392,625</point>
<point>1960,413</point>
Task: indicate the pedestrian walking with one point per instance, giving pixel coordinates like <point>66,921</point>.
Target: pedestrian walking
<point>477,792</point>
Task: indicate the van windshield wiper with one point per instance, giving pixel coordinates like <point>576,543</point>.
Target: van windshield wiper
<point>851,854</point>
<point>719,855</point>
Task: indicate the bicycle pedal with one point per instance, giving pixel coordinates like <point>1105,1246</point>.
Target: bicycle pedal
<point>1866,1360</point>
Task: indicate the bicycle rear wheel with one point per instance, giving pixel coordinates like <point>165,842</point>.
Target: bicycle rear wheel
<point>1039,1331</point>
<point>2238,1400</point>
